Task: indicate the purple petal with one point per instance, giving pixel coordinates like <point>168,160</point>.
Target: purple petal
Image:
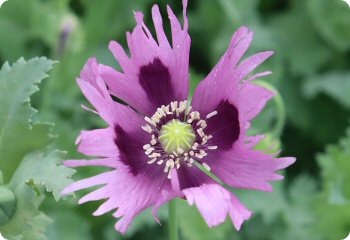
<point>215,202</point>
<point>245,168</point>
<point>105,162</point>
<point>225,80</point>
<point>97,96</point>
<point>250,64</point>
<point>156,70</point>
<point>100,179</point>
<point>164,197</point>
<point>158,24</point>
<point>95,90</point>
<point>122,58</point>
<point>98,142</point>
<point>128,194</point>
<point>127,90</point>
<point>252,99</point>
<point>259,75</point>
<point>90,71</point>
<point>181,43</point>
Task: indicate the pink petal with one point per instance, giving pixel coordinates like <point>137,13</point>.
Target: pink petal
<point>97,94</point>
<point>245,168</point>
<point>123,60</point>
<point>249,64</point>
<point>156,73</point>
<point>164,197</point>
<point>98,142</point>
<point>158,24</point>
<point>125,89</point>
<point>251,100</point>
<point>222,81</point>
<point>100,179</point>
<point>105,162</point>
<point>215,202</point>
<point>131,194</point>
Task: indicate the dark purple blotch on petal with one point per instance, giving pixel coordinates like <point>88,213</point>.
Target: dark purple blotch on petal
<point>224,126</point>
<point>155,79</point>
<point>131,152</point>
<point>191,177</point>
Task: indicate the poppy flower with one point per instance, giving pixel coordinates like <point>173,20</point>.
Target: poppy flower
<point>158,143</point>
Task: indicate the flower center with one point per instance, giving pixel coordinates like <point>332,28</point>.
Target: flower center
<point>176,136</point>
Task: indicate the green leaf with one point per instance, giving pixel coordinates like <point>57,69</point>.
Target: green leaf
<point>18,133</point>
<point>283,214</point>
<point>300,215</point>
<point>312,117</point>
<point>7,204</point>
<point>44,169</point>
<point>334,84</point>
<point>37,25</point>
<point>298,41</point>
<point>274,202</point>
<point>28,222</point>
<point>333,207</point>
<point>332,19</point>
<point>24,156</point>
<point>68,219</point>
<point>335,168</point>
<point>1,178</point>
<point>333,219</point>
<point>36,170</point>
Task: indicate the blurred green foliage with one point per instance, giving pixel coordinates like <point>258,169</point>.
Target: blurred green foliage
<point>311,65</point>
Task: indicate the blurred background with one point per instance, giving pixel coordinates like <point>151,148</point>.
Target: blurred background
<point>311,71</point>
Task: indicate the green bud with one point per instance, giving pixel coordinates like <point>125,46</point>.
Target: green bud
<point>7,204</point>
<point>269,144</point>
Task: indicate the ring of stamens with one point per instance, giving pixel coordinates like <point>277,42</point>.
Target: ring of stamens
<point>192,144</point>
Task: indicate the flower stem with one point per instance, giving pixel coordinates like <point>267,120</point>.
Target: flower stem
<point>173,228</point>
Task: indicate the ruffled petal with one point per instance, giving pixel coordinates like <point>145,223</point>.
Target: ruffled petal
<point>128,91</point>
<point>234,113</point>
<point>104,162</point>
<point>249,64</point>
<point>98,142</point>
<point>252,99</point>
<point>225,80</point>
<point>89,73</point>
<point>95,90</point>
<point>163,198</point>
<point>128,194</point>
<point>246,168</point>
<point>125,192</point>
<point>97,95</point>
<point>215,203</point>
<point>156,70</point>
<point>100,179</point>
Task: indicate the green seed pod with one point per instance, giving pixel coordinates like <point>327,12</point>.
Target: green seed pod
<point>7,204</point>
<point>269,144</point>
